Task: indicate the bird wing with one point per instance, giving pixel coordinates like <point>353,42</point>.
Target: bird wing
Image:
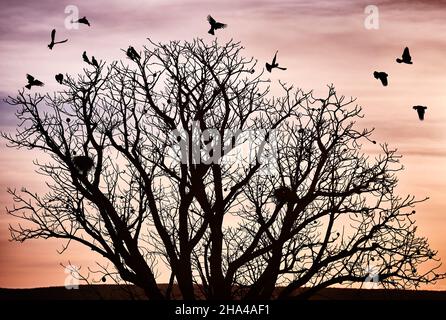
<point>219,25</point>
<point>84,21</point>
<point>420,111</point>
<point>53,35</point>
<point>274,59</point>
<point>62,41</point>
<point>406,54</point>
<point>29,77</point>
<point>38,83</point>
<point>211,20</point>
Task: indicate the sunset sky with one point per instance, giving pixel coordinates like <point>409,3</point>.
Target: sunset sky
<point>321,42</point>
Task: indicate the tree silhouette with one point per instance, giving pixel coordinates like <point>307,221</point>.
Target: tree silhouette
<point>194,166</point>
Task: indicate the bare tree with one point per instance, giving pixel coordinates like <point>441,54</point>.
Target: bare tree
<point>180,157</point>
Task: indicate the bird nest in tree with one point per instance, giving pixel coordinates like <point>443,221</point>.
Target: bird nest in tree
<point>83,164</point>
<point>284,194</point>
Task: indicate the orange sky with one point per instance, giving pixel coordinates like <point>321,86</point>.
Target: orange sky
<point>320,42</point>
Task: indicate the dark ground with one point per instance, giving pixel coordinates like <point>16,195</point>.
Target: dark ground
<point>114,292</point>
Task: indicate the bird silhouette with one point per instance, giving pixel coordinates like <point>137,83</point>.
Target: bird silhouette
<point>94,62</point>
<point>421,110</point>
<point>381,76</point>
<point>59,77</point>
<point>215,25</point>
<point>85,57</point>
<point>273,64</point>
<point>132,54</point>
<point>83,164</point>
<point>33,82</point>
<point>83,20</point>
<point>406,58</point>
<point>52,43</point>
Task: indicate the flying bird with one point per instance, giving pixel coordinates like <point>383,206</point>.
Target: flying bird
<point>83,164</point>
<point>406,58</point>
<point>59,77</point>
<point>421,110</point>
<point>132,54</point>
<point>273,64</point>
<point>94,62</point>
<point>381,76</point>
<point>215,25</point>
<point>52,43</point>
<point>33,82</point>
<point>83,20</point>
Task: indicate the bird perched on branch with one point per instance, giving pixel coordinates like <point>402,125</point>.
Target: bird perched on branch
<point>406,58</point>
<point>132,54</point>
<point>53,36</point>
<point>94,62</point>
<point>33,82</point>
<point>215,25</point>
<point>83,20</point>
<point>421,110</point>
<point>59,77</point>
<point>83,164</point>
<point>85,57</point>
<point>273,64</point>
<point>381,76</point>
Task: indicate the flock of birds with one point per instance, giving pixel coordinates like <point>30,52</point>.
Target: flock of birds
<point>83,164</point>
<point>215,25</point>
<point>32,81</point>
<point>131,52</point>
<point>382,76</point>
